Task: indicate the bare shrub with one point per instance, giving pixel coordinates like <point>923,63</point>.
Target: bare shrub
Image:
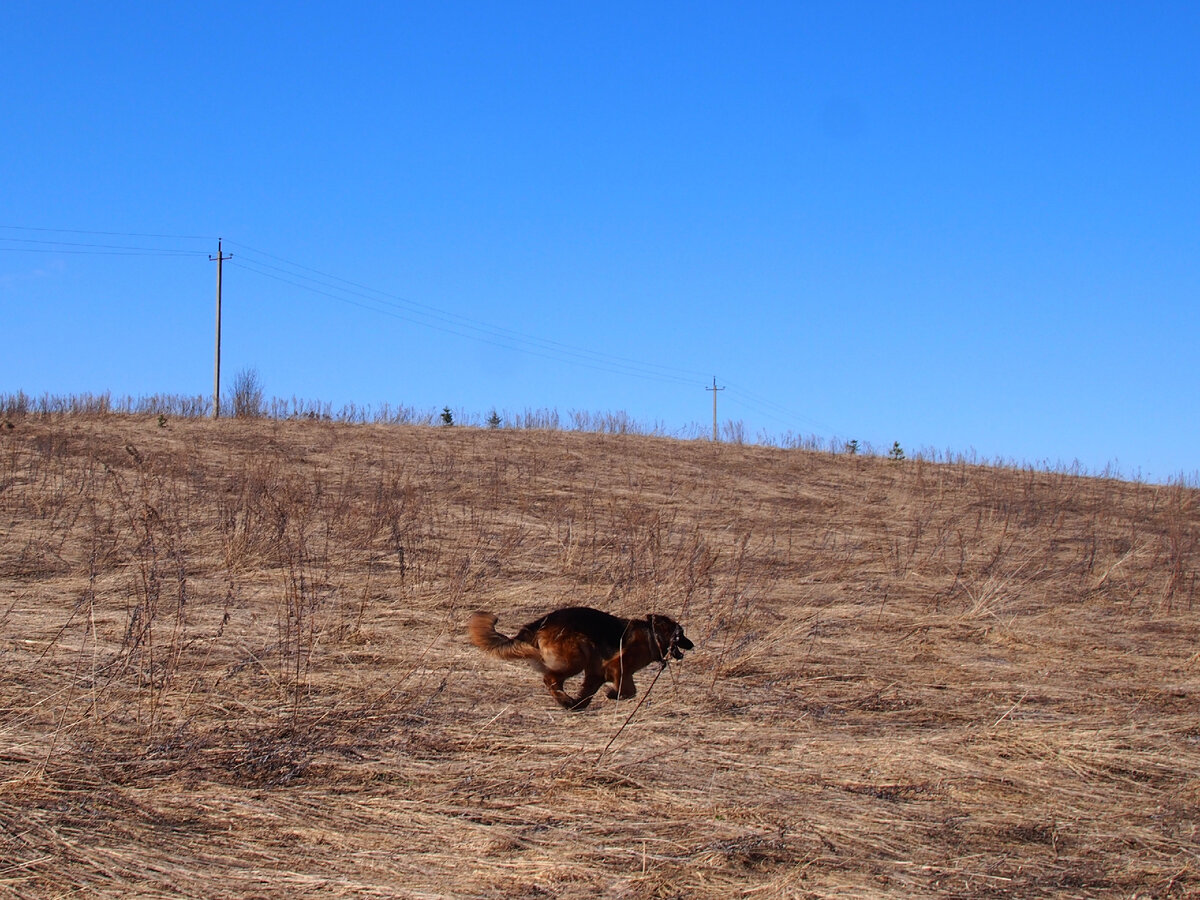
<point>246,395</point>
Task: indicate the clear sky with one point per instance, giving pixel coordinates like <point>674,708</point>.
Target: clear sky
<point>960,226</point>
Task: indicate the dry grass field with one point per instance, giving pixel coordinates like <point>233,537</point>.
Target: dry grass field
<point>233,664</point>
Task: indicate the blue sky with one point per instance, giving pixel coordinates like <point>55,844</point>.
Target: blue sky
<point>962,226</point>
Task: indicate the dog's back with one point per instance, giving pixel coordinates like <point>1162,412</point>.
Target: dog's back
<point>604,631</point>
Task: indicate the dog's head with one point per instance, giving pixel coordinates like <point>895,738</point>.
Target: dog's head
<point>668,637</point>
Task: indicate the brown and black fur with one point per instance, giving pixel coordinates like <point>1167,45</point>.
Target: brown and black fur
<point>579,639</point>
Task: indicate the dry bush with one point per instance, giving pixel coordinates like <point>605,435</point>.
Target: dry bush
<point>234,666</point>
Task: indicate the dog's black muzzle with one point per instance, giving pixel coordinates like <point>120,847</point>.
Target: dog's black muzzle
<point>679,645</point>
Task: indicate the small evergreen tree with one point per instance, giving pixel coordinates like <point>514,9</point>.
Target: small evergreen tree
<point>493,421</point>
<point>447,416</point>
<point>896,454</point>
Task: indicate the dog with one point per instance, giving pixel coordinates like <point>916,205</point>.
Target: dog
<point>579,639</point>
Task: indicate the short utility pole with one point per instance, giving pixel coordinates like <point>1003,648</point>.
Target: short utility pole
<point>714,390</point>
<point>218,259</point>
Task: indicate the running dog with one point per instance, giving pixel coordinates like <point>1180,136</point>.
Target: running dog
<point>566,642</point>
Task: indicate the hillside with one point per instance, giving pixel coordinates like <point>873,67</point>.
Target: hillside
<point>234,665</point>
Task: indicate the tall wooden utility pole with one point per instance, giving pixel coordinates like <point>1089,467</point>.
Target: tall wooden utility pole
<point>218,259</point>
<point>714,389</point>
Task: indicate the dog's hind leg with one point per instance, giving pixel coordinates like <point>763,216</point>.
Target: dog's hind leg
<point>622,680</point>
<point>554,681</point>
<point>592,682</point>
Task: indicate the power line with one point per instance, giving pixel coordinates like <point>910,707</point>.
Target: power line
<point>596,361</point>
<point>483,333</point>
<point>680,375</point>
<point>122,247</point>
<point>771,409</point>
<point>189,237</point>
<point>100,252</point>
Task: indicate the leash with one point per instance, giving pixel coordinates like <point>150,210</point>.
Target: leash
<point>666,659</point>
<point>629,718</point>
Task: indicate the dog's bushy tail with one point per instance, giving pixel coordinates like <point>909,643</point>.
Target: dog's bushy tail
<point>482,630</point>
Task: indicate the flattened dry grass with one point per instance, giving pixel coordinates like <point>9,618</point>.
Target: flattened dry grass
<point>234,666</point>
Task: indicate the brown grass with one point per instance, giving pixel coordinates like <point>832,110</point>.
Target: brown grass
<point>234,666</point>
